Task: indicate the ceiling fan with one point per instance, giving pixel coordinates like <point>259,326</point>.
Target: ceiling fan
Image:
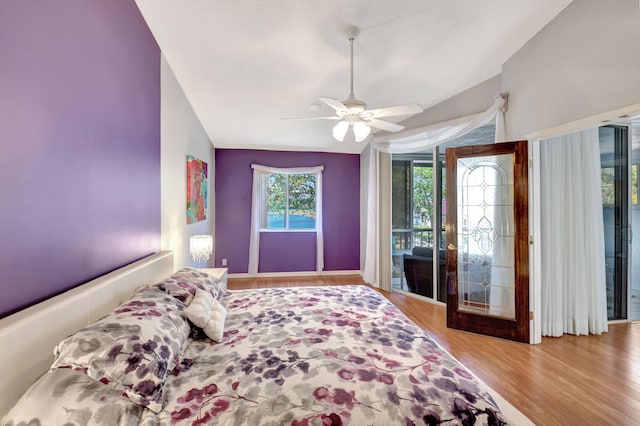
<point>353,114</point>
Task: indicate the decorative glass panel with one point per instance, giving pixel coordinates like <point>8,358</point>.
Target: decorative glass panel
<point>486,277</point>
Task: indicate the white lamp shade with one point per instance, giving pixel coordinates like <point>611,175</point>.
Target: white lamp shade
<point>340,129</point>
<point>201,247</point>
<point>361,130</point>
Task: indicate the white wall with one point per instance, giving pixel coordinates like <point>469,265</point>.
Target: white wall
<point>579,69</point>
<point>472,101</point>
<point>181,135</point>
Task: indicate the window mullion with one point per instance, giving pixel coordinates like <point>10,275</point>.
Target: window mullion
<point>286,206</point>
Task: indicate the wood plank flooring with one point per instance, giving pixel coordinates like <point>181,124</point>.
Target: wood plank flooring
<point>587,380</point>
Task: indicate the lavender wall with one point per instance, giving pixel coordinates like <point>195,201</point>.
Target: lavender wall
<point>79,144</point>
<point>288,252</point>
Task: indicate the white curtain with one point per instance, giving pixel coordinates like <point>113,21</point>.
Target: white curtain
<point>370,163</point>
<point>573,289</point>
<point>428,137</point>
<point>413,140</point>
<point>258,202</point>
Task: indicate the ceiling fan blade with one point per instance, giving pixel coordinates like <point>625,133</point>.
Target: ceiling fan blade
<point>384,125</point>
<point>335,104</point>
<point>408,109</point>
<point>313,118</point>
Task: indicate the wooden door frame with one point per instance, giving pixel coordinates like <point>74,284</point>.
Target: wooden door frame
<point>517,329</point>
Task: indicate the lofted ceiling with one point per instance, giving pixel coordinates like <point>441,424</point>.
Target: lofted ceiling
<point>246,64</point>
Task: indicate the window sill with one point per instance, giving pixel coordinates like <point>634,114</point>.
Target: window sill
<point>290,230</point>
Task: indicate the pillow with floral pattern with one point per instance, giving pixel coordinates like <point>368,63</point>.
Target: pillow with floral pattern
<point>184,283</point>
<point>131,349</point>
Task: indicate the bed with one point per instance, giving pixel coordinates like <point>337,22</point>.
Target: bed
<point>295,356</point>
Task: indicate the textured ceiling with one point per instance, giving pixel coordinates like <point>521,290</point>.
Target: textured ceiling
<point>244,65</point>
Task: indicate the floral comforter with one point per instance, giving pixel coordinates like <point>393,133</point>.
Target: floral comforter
<point>321,356</point>
<point>289,356</point>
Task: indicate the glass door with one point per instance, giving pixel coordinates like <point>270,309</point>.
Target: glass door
<point>400,219</point>
<point>488,240</point>
<point>412,216</point>
<point>615,204</point>
<point>634,305</point>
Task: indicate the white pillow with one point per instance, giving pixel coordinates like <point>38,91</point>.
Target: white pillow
<point>207,313</point>
<point>199,309</point>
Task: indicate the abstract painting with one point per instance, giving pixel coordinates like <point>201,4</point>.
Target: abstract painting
<point>197,174</point>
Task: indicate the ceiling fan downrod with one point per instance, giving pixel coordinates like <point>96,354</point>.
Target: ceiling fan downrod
<point>355,106</point>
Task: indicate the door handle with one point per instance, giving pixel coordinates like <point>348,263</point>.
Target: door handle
<point>452,247</point>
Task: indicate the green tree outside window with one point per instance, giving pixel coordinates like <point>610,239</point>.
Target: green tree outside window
<point>291,201</point>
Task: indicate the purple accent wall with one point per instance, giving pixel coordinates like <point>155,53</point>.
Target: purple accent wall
<point>280,251</point>
<point>79,144</point>
<point>287,252</point>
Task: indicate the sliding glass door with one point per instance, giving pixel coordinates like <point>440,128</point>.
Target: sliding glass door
<point>413,213</point>
<point>418,193</point>
<point>614,159</point>
<point>634,304</point>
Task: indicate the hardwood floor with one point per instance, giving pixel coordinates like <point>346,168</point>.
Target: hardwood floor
<point>587,380</point>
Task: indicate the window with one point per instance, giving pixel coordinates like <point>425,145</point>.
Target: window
<point>287,199</point>
<point>614,164</point>
<point>290,201</point>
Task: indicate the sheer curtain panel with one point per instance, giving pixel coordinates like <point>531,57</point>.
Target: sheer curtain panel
<point>428,137</point>
<point>573,287</point>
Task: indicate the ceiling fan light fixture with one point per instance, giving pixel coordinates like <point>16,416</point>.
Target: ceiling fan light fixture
<point>361,130</point>
<point>340,130</point>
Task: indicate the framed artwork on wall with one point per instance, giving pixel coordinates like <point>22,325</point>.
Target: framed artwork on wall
<point>197,186</point>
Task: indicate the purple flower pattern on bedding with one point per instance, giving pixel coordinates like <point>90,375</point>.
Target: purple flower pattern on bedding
<point>66,397</point>
<point>183,284</point>
<point>296,356</point>
<point>325,356</point>
<point>131,349</point>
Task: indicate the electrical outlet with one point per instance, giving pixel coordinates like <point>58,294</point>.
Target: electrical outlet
<point>224,262</point>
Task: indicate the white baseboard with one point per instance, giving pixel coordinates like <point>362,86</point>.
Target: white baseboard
<point>294,274</point>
